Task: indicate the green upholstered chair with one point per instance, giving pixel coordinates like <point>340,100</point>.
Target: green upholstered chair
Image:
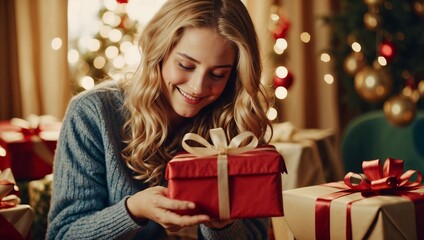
<point>370,136</point>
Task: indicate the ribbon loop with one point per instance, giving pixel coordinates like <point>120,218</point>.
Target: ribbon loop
<point>388,177</point>
<point>220,145</point>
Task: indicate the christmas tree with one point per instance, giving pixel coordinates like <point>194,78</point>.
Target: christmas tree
<point>379,49</point>
<point>110,53</point>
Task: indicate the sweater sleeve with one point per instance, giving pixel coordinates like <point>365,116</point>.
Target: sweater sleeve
<point>241,229</point>
<point>79,206</point>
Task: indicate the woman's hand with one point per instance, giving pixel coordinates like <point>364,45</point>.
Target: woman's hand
<point>153,203</point>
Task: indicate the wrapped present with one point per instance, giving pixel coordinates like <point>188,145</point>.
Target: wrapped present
<point>320,145</point>
<point>27,146</point>
<point>381,203</point>
<point>227,181</point>
<point>15,218</point>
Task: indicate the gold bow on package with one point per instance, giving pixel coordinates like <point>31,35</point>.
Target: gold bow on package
<point>15,219</point>
<point>225,180</point>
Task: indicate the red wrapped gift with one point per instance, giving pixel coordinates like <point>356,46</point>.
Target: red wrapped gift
<point>15,219</point>
<point>382,204</point>
<point>228,181</point>
<point>27,147</point>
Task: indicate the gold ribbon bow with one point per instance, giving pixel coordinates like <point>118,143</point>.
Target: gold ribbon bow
<point>221,148</point>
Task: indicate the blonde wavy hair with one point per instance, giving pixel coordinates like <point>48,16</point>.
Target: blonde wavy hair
<point>151,140</point>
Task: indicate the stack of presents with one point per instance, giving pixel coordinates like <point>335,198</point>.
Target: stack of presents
<point>228,180</point>
<point>26,157</point>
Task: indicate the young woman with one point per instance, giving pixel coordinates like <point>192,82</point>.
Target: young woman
<point>200,69</point>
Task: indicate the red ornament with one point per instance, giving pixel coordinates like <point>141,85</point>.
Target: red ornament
<point>411,82</point>
<point>387,50</point>
<point>286,82</point>
<point>282,28</point>
<point>122,1</point>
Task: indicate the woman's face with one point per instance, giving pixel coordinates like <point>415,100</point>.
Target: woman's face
<point>196,71</point>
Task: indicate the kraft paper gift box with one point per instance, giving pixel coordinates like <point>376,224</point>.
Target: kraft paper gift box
<point>228,181</point>
<point>15,218</point>
<point>383,205</point>
<point>27,147</point>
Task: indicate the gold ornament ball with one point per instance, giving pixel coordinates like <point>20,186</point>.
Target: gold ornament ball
<point>400,110</point>
<point>354,62</point>
<point>419,8</point>
<point>421,88</point>
<point>373,84</point>
<point>373,2</point>
<point>372,20</point>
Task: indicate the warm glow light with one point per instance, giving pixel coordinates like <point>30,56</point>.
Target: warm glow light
<point>280,45</point>
<point>93,45</point>
<point>111,5</point>
<point>99,62</point>
<point>119,62</point>
<point>83,42</point>
<point>281,72</point>
<point>111,52</point>
<point>87,82</point>
<point>2,152</point>
<point>56,43</point>
<point>356,47</point>
<point>396,108</point>
<point>281,92</point>
<point>115,35</point>
<point>272,113</point>
<point>275,17</point>
<point>105,30</point>
<point>132,56</point>
<point>386,50</point>
<point>328,78</point>
<point>305,37</point>
<point>382,61</point>
<point>325,57</point>
<point>370,82</point>
<point>108,17</point>
<point>73,56</point>
<point>125,46</point>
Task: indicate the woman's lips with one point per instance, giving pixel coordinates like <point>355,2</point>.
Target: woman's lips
<point>189,98</point>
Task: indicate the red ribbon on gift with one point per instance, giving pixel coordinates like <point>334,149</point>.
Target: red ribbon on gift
<point>376,180</point>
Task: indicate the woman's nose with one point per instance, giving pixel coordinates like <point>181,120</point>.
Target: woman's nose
<point>197,82</point>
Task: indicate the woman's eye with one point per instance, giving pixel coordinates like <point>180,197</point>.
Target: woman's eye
<point>219,76</point>
<point>184,67</point>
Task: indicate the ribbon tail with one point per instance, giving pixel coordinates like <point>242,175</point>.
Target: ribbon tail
<point>223,191</point>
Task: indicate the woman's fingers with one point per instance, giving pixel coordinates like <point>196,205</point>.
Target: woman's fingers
<point>153,203</point>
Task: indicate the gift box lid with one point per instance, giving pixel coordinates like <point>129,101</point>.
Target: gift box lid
<point>262,160</point>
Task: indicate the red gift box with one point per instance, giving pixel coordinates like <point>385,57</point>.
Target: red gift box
<point>28,150</point>
<point>252,179</point>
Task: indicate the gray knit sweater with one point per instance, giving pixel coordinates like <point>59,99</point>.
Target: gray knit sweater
<point>91,182</point>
